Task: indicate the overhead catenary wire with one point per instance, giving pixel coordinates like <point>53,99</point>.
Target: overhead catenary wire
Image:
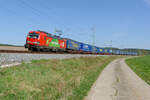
<point>17,14</point>
<point>23,4</point>
<point>34,10</point>
<point>37,12</point>
<point>33,21</point>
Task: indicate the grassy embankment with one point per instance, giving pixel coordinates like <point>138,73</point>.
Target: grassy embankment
<point>68,79</point>
<point>141,66</point>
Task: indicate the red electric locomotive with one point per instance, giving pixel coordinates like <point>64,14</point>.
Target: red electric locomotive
<point>43,41</point>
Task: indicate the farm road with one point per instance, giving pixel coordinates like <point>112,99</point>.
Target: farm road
<point>119,82</point>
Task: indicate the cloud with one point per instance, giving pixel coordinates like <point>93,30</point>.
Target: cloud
<point>147,1</point>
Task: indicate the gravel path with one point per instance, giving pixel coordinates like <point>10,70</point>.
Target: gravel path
<point>119,82</point>
<point>15,58</point>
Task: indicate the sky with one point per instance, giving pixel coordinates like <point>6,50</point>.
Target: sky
<point>124,22</point>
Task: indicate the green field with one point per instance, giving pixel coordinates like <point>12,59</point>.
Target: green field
<point>68,79</point>
<point>141,65</point>
<point>5,44</point>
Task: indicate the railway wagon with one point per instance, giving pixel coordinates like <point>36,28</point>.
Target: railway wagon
<point>74,46</point>
<point>127,53</point>
<point>117,52</point>
<point>121,52</point>
<point>113,52</point>
<point>96,50</point>
<point>101,50</point>
<point>42,41</point>
<point>107,51</point>
<point>134,53</point>
<point>86,48</point>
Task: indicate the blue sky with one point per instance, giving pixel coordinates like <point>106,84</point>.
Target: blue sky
<point>124,22</point>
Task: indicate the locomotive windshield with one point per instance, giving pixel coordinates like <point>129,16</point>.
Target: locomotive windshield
<point>33,35</point>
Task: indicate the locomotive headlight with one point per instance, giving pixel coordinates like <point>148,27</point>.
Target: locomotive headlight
<point>36,42</point>
<point>28,42</point>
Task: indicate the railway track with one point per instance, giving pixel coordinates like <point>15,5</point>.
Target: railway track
<point>41,52</point>
<point>35,52</point>
<point>13,51</point>
<point>30,52</point>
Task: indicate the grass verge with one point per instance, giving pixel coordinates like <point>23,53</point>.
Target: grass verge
<point>68,79</point>
<point>141,66</point>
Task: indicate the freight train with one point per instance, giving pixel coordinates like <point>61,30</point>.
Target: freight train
<point>47,42</point>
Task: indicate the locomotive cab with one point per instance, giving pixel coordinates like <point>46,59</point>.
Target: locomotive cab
<point>33,38</point>
<point>32,41</point>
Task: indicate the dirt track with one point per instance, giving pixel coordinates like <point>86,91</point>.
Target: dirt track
<point>119,82</point>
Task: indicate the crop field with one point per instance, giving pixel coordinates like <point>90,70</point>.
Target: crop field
<point>67,79</point>
<point>18,48</point>
<point>141,66</point>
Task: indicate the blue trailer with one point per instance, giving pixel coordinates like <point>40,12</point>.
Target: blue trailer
<point>101,50</point>
<point>95,49</point>
<point>107,51</point>
<point>74,45</point>
<point>86,47</point>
